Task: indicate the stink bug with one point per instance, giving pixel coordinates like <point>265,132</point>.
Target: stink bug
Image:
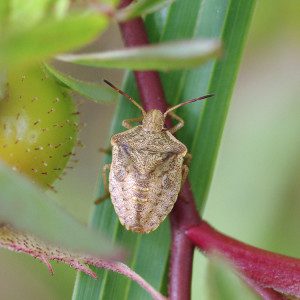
<point>149,166</point>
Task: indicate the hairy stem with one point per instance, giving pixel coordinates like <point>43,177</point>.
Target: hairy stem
<point>184,214</point>
<point>263,270</point>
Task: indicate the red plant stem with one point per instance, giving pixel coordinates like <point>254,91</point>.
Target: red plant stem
<point>263,268</point>
<point>265,293</point>
<point>184,214</point>
<point>148,82</point>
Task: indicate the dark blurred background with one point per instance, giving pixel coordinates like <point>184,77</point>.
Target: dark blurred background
<point>255,193</point>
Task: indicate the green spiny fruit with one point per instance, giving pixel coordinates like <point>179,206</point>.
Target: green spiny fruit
<point>38,125</point>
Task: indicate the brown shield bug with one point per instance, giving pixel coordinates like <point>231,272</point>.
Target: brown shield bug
<point>148,168</point>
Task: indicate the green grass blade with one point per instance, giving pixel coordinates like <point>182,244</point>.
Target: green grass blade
<point>92,91</point>
<point>223,282</point>
<point>164,56</point>
<point>219,79</point>
<point>27,208</point>
<point>218,19</point>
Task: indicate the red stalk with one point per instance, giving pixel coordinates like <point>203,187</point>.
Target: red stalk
<point>265,269</point>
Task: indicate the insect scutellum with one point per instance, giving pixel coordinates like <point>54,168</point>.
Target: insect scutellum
<point>154,119</point>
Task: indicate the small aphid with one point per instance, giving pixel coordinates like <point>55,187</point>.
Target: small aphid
<point>149,166</point>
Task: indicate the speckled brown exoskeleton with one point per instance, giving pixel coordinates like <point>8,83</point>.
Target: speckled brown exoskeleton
<point>148,168</point>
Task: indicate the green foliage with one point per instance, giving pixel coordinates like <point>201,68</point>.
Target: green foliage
<point>92,91</point>
<point>183,20</point>
<point>164,56</point>
<point>38,214</point>
<point>224,284</point>
<point>52,29</point>
<point>36,30</point>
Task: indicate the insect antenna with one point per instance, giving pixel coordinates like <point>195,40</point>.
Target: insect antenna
<point>126,95</point>
<point>187,102</point>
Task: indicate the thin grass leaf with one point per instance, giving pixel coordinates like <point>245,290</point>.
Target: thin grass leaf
<point>164,56</point>
<point>28,209</point>
<point>217,19</point>
<point>141,8</point>
<point>92,91</point>
<point>25,46</point>
<point>223,282</point>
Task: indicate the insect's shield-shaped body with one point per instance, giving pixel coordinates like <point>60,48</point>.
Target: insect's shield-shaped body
<point>146,174</point>
<point>148,168</point>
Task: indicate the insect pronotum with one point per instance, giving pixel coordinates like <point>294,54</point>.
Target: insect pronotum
<point>149,166</point>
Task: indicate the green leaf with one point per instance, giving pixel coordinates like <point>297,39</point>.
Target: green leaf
<point>4,12</point>
<point>49,38</point>
<point>61,7</point>
<point>27,13</point>
<point>27,208</point>
<point>164,56</point>
<point>142,7</point>
<point>92,91</point>
<point>224,284</point>
<point>217,19</point>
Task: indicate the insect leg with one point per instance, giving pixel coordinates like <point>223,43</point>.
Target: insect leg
<point>187,159</point>
<point>105,150</point>
<point>185,172</point>
<point>105,184</point>
<point>179,125</point>
<point>126,123</point>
